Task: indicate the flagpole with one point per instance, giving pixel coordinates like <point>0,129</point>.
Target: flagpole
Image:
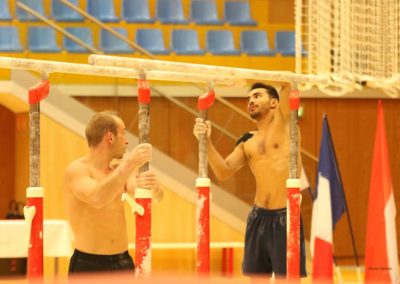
<point>347,211</point>
<point>359,278</point>
<point>337,271</point>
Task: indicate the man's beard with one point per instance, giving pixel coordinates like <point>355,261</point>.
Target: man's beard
<point>255,115</point>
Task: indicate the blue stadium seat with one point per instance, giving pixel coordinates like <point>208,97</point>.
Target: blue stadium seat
<point>9,39</point>
<point>5,10</point>
<point>42,39</point>
<point>62,12</point>
<point>285,43</point>
<point>220,42</point>
<point>170,12</point>
<point>255,43</point>
<point>111,44</point>
<point>151,40</point>
<point>136,11</point>
<point>204,12</point>
<point>36,5</point>
<point>237,13</point>
<point>103,10</point>
<point>84,34</point>
<point>185,42</point>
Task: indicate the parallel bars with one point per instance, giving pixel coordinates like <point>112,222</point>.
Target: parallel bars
<point>161,70</point>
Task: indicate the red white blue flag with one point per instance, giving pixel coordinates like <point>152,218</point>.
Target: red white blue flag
<point>328,207</point>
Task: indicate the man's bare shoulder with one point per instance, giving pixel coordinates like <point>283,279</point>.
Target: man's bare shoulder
<point>245,137</point>
<point>79,166</point>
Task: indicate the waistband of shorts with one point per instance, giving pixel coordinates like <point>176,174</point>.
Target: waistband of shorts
<point>109,257</point>
<point>269,212</point>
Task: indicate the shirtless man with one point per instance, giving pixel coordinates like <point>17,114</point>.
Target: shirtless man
<point>93,189</point>
<point>266,151</point>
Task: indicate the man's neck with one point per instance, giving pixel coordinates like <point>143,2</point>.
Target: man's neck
<point>99,158</point>
<point>265,122</point>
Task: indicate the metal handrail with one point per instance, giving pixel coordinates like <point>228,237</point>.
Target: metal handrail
<point>58,28</point>
<point>107,28</point>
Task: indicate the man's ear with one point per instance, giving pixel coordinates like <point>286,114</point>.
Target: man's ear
<point>274,103</point>
<point>110,136</point>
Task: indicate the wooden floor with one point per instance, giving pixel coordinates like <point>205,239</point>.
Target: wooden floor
<point>345,274</point>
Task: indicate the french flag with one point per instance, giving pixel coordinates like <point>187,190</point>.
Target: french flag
<point>381,258</point>
<point>328,207</point>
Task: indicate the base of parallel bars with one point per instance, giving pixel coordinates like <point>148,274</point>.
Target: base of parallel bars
<point>33,212</point>
<point>293,229</point>
<point>203,226</point>
<point>143,259</point>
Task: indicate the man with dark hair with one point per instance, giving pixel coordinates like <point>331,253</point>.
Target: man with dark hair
<point>270,89</point>
<point>266,152</point>
<point>93,189</point>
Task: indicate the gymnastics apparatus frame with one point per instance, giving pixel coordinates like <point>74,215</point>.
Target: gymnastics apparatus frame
<point>145,70</point>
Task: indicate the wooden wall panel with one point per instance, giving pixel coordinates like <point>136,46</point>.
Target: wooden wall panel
<point>21,156</point>
<point>7,159</point>
<point>181,141</point>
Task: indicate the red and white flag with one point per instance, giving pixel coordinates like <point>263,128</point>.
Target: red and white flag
<point>381,258</point>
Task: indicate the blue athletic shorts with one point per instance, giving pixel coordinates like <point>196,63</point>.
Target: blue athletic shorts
<point>265,243</point>
<point>86,262</point>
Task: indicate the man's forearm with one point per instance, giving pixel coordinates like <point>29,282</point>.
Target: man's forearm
<point>108,188</point>
<point>218,163</point>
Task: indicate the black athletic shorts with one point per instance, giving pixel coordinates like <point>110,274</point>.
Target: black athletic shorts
<point>86,262</point>
<point>265,243</point>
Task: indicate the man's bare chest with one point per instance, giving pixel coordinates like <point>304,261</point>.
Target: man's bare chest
<point>264,147</point>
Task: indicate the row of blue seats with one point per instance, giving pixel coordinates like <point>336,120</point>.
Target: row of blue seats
<point>183,41</point>
<point>167,11</point>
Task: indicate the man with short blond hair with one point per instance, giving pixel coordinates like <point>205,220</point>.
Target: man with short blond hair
<point>93,186</point>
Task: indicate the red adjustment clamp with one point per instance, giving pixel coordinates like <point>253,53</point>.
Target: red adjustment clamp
<point>39,92</point>
<point>143,91</point>
<point>205,101</point>
<point>294,100</point>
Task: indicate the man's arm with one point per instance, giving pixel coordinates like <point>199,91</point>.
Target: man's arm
<point>99,193</point>
<point>222,168</point>
<point>225,168</point>
<point>284,100</point>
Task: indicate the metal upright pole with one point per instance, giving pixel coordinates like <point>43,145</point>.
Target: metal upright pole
<point>203,191</point>
<point>33,210</point>
<point>143,196</point>
<point>293,193</point>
